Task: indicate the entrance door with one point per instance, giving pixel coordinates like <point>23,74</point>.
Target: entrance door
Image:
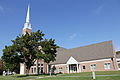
<point>75,68</point>
<point>39,70</point>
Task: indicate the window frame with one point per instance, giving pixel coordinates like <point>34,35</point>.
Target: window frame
<point>83,67</point>
<point>60,69</point>
<point>93,67</point>
<point>107,66</point>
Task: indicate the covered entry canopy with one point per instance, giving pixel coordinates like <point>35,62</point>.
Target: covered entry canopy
<point>72,61</point>
<point>72,65</point>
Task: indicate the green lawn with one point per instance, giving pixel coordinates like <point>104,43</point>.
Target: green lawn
<point>108,75</point>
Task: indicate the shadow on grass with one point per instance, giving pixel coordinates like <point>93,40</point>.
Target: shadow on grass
<point>32,75</point>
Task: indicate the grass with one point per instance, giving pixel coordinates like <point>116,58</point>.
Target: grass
<point>83,74</point>
<point>108,75</point>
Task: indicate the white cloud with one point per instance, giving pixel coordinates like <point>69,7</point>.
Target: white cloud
<point>71,37</point>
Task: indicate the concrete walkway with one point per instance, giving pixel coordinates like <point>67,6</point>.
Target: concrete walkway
<point>88,76</point>
<point>71,76</point>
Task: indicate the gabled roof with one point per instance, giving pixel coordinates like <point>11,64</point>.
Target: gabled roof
<point>61,49</point>
<point>101,50</point>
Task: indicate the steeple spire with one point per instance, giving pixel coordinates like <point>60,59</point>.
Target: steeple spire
<point>27,23</point>
<point>28,15</point>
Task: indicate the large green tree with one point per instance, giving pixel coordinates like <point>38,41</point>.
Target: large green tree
<point>11,59</point>
<point>30,47</point>
<point>118,52</point>
<point>49,49</point>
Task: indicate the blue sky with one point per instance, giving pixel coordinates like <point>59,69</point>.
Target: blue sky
<point>72,23</point>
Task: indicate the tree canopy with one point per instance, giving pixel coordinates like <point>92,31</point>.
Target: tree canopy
<point>29,47</point>
<point>118,52</point>
<point>11,59</point>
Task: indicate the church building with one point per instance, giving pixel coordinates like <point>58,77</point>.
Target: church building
<point>97,57</point>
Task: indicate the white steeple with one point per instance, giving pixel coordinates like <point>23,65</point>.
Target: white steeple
<point>28,15</point>
<point>27,23</point>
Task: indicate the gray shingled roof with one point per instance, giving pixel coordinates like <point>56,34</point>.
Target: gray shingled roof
<point>61,49</point>
<point>91,52</point>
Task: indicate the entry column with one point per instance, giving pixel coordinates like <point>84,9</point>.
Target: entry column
<point>77,68</point>
<point>68,68</point>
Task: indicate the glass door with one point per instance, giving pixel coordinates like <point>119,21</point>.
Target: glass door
<point>75,68</point>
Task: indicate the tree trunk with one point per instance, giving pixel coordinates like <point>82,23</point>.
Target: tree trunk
<point>27,71</point>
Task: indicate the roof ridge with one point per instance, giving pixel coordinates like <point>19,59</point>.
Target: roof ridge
<point>91,44</point>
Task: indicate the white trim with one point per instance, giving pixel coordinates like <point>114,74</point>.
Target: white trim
<point>118,59</point>
<point>60,64</point>
<point>32,66</point>
<point>95,61</point>
<point>77,68</point>
<point>72,61</point>
<point>68,68</point>
<point>107,62</point>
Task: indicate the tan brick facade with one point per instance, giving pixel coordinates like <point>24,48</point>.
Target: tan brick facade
<point>40,66</point>
<point>63,66</point>
<point>100,66</point>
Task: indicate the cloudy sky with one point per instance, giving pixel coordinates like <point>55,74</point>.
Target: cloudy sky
<point>72,23</point>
